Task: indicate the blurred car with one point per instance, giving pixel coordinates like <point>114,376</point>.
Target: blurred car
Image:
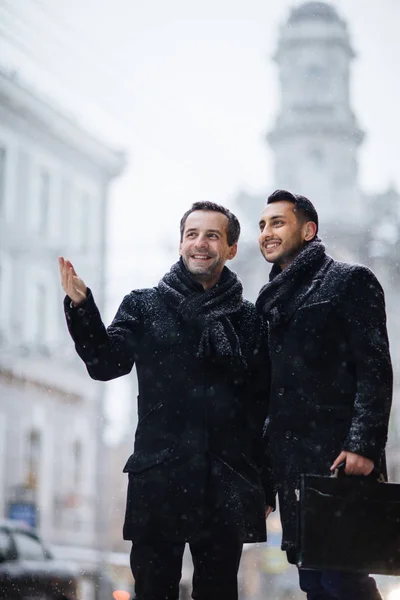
<point>28,570</point>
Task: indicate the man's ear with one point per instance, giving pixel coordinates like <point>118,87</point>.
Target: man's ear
<point>232,251</point>
<point>310,231</point>
<point>180,249</point>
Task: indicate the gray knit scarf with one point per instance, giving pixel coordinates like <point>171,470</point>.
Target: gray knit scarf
<point>208,310</point>
<point>289,286</point>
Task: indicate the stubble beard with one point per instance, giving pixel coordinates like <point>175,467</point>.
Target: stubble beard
<point>286,257</point>
<point>202,273</point>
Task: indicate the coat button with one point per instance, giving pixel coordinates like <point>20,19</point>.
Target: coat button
<point>288,434</point>
<point>281,391</point>
<point>278,349</point>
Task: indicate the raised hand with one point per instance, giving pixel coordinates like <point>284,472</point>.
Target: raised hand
<point>73,285</point>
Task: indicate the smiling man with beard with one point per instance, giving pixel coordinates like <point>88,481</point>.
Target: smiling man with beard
<point>331,387</point>
<point>200,354</point>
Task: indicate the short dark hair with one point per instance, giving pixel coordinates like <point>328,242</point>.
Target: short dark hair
<point>303,206</point>
<point>233,230</point>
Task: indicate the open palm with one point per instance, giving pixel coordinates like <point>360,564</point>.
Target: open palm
<point>73,285</point>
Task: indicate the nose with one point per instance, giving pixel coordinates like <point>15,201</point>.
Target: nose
<point>265,233</point>
<point>201,241</point>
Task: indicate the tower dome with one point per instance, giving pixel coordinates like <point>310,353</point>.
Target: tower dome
<point>314,10</point>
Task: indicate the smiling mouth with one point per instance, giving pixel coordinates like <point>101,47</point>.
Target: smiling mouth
<point>271,245</point>
<point>200,257</point>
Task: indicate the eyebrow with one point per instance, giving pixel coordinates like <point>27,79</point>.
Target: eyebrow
<point>262,222</point>
<point>208,230</point>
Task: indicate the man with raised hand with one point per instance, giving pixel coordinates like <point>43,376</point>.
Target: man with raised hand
<point>331,375</point>
<point>200,357</point>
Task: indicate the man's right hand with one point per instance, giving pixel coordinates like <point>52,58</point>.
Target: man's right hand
<point>268,511</point>
<point>73,285</point>
<point>355,464</point>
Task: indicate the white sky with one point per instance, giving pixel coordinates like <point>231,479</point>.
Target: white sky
<point>189,89</point>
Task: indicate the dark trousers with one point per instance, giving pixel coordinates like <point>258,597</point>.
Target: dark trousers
<point>335,585</point>
<point>157,568</point>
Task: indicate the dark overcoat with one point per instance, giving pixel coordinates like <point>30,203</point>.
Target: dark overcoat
<point>331,379</point>
<point>197,445</point>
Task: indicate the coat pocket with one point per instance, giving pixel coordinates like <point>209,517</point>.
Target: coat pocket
<point>142,461</point>
<point>324,305</point>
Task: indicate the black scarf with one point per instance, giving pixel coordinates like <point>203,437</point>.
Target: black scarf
<point>209,310</point>
<point>287,288</point>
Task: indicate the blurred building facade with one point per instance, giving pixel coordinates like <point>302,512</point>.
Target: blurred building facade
<point>54,182</point>
<point>315,140</point>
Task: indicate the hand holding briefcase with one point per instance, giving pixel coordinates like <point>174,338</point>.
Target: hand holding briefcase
<point>348,523</point>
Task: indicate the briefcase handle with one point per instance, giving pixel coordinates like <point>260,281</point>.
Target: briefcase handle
<point>375,473</point>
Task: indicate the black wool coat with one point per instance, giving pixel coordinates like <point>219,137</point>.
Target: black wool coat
<point>331,379</point>
<point>197,445</point>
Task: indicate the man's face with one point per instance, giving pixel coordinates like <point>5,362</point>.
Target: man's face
<point>204,247</point>
<point>282,233</point>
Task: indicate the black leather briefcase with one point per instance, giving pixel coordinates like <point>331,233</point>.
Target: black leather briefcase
<point>348,523</point>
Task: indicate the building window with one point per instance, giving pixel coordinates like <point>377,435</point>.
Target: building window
<point>44,202</point>
<point>64,214</point>
<point>317,85</point>
<point>39,316</point>
<point>3,160</point>
<point>82,222</point>
<point>1,300</point>
<point>4,460</point>
<point>6,295</point>
<point>77,453</point>
<point>3,317</point>
<point>33,459</point>
<point>315,73</point>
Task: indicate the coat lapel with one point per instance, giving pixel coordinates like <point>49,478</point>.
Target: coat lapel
<point>305,292</point>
